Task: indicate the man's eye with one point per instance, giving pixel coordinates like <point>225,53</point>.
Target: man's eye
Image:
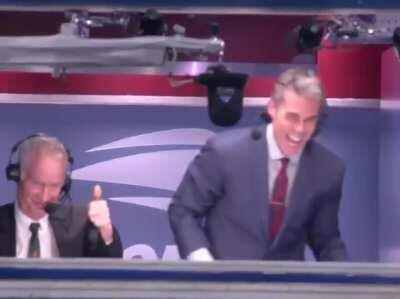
<point>312,120</point>
<point>292,117</point>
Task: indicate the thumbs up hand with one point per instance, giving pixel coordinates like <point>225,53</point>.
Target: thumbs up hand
<point>99,215</point>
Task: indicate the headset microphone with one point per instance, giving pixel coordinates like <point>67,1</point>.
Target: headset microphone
<point>51,207</point>
<point>256,134</point>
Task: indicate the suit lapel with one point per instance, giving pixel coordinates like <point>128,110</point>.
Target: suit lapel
<point>7,231</point>
<point>301,191</point>
<point>60,224</point>
<point>259,163</point>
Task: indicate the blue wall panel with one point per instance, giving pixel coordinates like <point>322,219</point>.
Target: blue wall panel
<point>351,133</point>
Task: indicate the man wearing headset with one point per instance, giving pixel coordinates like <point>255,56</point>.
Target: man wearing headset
<point>37,225</point>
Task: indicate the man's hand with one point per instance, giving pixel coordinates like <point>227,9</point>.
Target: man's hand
<point>99,215</point>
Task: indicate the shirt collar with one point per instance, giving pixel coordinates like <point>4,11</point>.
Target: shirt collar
<point>25,220</point>
<point>274,151</point>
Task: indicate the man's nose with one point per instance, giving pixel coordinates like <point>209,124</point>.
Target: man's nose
<point>300,126</point>
<point>46,194</point>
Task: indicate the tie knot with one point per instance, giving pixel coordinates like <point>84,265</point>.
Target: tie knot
<point>284,162</point>
<point>34,227</point>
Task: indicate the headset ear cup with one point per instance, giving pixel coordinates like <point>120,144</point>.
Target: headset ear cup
<point>13,172</point>
<point>68,181</point>
<point>13,169</point>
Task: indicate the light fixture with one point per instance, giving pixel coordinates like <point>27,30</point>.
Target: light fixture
<point>309,37</point>
<point>225,94</point>
<point>152,23</point>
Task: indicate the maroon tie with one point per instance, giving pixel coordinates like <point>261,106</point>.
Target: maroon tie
<point>277,204</point>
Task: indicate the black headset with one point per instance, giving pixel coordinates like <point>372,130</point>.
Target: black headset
<point>13,169</point>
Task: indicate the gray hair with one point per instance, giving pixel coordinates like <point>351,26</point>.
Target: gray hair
<point>304,82</point>
<point>40,144</point>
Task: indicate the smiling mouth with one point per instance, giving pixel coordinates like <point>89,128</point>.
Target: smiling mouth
<point>295,140</point>
<point>39,205</point>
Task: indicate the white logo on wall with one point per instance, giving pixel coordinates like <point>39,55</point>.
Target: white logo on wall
<point>144,169</point>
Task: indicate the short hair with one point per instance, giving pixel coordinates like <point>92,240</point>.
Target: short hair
<point>42,144</point>
<point>303,82</point>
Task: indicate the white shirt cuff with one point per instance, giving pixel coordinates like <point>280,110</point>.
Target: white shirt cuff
<point>200,255</point>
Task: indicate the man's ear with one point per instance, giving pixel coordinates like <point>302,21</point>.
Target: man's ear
<point>271,108</point>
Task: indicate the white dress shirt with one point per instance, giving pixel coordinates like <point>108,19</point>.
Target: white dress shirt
<point>48,245</point>
<point>274,163</point>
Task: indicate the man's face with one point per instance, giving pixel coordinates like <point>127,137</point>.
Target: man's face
<point>41,183</point>
<point>294,120</point>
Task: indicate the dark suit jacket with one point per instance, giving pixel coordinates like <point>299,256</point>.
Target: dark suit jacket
<point>222,202</point>
<point>74,234</point>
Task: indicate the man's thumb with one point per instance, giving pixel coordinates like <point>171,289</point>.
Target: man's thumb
<point>97,192</point>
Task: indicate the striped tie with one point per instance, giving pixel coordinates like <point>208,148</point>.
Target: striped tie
<point>34,245</point>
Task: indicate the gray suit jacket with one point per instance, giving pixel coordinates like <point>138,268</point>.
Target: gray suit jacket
<point>222,202</point>
<point>75,235</point>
